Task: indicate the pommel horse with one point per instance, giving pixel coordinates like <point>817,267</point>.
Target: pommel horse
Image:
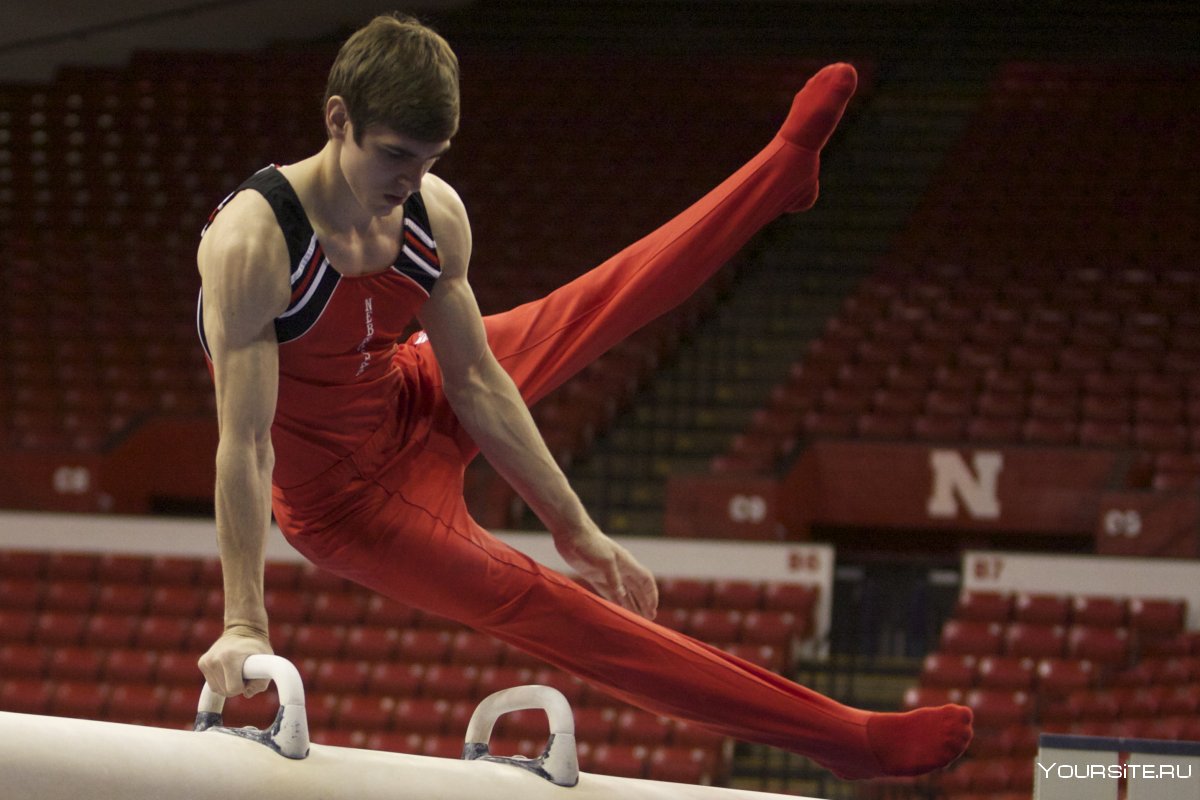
<point>52,758</point>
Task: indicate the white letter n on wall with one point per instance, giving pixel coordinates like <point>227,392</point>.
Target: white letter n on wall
<point>953,481</point>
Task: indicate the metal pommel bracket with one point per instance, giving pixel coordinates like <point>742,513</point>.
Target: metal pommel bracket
<point>288,736</point>
<point>559,761</point>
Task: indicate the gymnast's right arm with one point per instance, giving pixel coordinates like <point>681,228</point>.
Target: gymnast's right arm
<point>244,273</point>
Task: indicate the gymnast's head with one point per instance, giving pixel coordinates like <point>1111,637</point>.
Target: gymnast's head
<point>400,74</point>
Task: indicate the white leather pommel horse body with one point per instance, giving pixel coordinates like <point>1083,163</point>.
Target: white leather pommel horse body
<point>52,758</point>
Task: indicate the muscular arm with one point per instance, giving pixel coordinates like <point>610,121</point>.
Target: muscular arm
<point>492,411</point>
<point>243,268</point>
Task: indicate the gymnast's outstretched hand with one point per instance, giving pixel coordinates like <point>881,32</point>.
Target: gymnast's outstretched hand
<point>222,664</point>
<point>611,570</point>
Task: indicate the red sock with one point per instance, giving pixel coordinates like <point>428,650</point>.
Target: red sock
<point>816,111</point>
<point>911,743</point>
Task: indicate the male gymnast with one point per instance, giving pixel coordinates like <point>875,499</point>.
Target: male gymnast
<point>358,442</point>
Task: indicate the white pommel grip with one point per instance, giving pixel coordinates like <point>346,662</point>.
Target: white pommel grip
<point>288,736</point>
<point>559,762</point>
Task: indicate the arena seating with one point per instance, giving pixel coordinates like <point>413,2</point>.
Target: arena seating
<point>117,638</point>
<point>1052,304</point>
<point>1037,662</point>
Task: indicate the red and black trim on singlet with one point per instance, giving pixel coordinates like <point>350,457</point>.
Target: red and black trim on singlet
<point>313,279</point>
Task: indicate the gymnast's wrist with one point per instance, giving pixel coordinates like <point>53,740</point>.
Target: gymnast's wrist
<point>248,629</point>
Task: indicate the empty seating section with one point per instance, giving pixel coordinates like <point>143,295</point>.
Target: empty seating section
<point>1052,302</point>
<point>117,637</point>
<point>1032,662</point>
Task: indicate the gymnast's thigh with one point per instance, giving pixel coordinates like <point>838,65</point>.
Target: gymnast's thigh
<point>418,545</point>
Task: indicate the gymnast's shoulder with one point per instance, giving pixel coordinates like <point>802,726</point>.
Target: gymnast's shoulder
<point>448,220</point>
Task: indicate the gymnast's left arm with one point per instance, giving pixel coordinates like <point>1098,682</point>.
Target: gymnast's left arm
<point>492,411</point>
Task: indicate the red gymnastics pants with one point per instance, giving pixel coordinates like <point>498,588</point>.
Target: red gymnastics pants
<point>392,516</point>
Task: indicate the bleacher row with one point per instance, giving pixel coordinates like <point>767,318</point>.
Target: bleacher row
<point>1033,662</point>
<point>117,637</point>
<point>1051,304</point>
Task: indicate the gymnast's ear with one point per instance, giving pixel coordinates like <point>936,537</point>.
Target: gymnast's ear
<point>337,118</point>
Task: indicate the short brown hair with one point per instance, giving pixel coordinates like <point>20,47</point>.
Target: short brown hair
<point>397,72</point>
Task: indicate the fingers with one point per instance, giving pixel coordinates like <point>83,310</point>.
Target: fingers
<point>640,592</point>
<point>254,687</point>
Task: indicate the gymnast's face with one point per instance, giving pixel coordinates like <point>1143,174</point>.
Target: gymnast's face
<point>383,167</point>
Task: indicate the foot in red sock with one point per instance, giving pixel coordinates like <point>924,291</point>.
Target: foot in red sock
<point>907,744</point>
<point>815,113</point>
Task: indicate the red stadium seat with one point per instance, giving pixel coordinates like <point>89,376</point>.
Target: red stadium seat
<point>318,641</point>
<point>800,599</point>
<point>337,608</point>
<point>122,598</point>
<point>680,765</point>
<point>74,663</point>
<point>450,681</point>
<point>923,696</point>
<point>1033,640</point>
<point>110,630</point>
<point>18,626</point>
<point>396,679</point>
<point>634,726</point>
<point>1156,617</point>
<point>173,570</point>
<point>425,646</point>
<point>333,675</point>
<point>179,669</point>
<point>162,633</point>
<point>60,628</point>
<point>1100,645</point>
<point>69,595</point>
<point>625,761</point>
<point>364,712</point>
<point>136,703</point>
<point>130,666</point>
<point>984,606</point>
<point>26,695</point>
<point>715,626</point>
<point>743,595</point>
<point>287,605</point>
<point>70,566</point>
<point>82,699</point>
<point>995,708</point>
<point>17,593</point>
<point>492,679</point>
<point>180,601</point>
<point>775,628</point>
<point>1111,611</point>
<point>970,637</point>
<point>480,649</point>
<point>372,643</point>
<point>1059,676</point>
<point>421,715</point>
<point>1006,672</point>
<point>22,564</point>
<point>1043,609</point>
<point>23,660</point>
<point>595,725</point>
<point>948,670</point>
<point>684,593</point>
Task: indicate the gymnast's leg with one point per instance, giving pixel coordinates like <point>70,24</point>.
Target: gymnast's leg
<point>545,342</point>
<point>418,545</point>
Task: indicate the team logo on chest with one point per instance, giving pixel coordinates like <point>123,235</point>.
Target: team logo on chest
<point>369,324</point>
